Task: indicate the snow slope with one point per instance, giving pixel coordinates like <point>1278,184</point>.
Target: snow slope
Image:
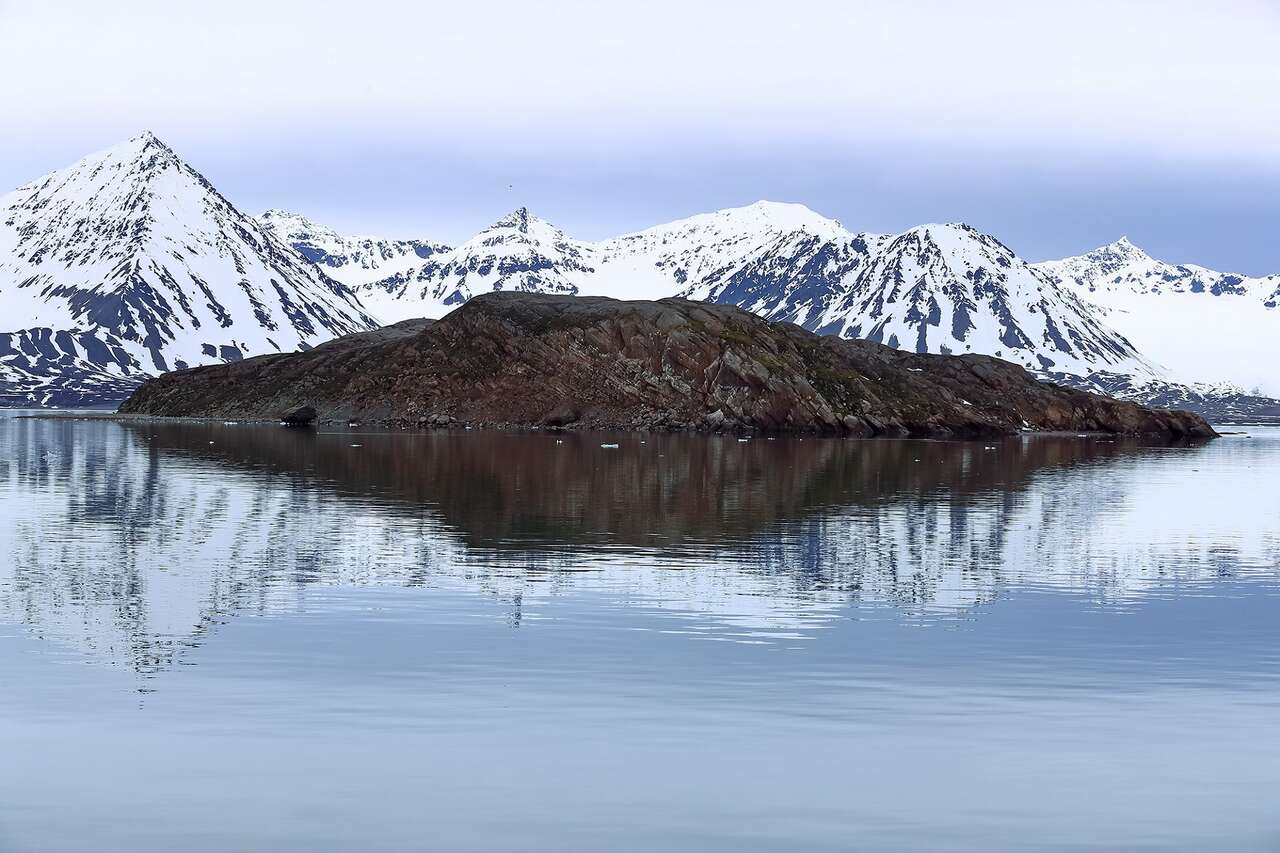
<point>934,288</point>
<point>129,263</point>
<point>1205,326</point>
<point>672,258</point>
<point>350,260</point>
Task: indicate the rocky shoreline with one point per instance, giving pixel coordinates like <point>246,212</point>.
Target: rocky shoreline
<point>558,362</point>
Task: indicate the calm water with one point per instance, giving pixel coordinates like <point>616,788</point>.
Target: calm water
<point>236,638</point>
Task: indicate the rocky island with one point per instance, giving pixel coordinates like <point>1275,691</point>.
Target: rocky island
<point>521,359</point>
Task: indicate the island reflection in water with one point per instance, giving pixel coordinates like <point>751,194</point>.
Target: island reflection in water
<point>137,537</point>
<point>245,637</point>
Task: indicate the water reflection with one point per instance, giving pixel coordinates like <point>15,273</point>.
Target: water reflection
<point>130,542</point>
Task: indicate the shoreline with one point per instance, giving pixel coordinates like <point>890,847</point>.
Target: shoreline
<point>407,428</point>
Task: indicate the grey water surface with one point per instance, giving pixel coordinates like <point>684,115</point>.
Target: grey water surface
<point>226,637</point>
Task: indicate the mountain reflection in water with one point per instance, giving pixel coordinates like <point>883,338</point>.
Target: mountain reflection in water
<point>130,541</point>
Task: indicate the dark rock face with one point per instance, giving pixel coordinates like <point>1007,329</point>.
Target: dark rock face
<point>535,360</point>
<point>301,416</point>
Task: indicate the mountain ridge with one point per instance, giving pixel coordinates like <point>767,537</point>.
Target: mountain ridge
<point>352,260</point>
<point>1207,327</point>
<point>933,288</point>
<point>130,262</point>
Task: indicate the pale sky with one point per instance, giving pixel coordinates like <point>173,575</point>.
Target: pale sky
<point>1055,126</point>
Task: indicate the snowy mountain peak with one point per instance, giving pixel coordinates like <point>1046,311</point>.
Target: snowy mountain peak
<point>137,146</point>
<point>286,221</point>
<point>957,244</point>
<point>144,156</point>
<point>1169,311</point>
<point>1122,267</point>
<point>1123,246</point>
<point>518,252</point>
<point>759,219</point>
<point>352,260</point>
<point>953,231</point>
<point>784,216</point>
<point>950,288</point>
<point>522,222</point>
<point>518,219</point>
<point>1122,250</point>
<point>131,262</point>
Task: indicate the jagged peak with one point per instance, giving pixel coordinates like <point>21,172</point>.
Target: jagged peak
<point>526,223</point>
<point>520,219</point>
<point>1123,249</point>
<point>1123,246</point>
<point>133,164</point>
<point>139,145</point>
<point>147,137</point>
<point>291,222</point>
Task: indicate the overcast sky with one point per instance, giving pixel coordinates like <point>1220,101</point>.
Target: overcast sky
<point>1055,126</point>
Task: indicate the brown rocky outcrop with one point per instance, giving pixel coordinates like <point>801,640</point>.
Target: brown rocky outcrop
<point>506,359</point>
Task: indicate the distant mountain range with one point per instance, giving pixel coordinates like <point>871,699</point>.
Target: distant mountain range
<point>1221,330</point>
<point>130,263</point>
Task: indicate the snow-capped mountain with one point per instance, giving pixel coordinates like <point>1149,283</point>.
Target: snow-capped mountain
<point>1122,267</point>
<point>936,288</point>
<point>695,252</point>
<point>523,252</point>
<point>350,260</point>
<point>1204,326</point>
<point>518,252</point>
<point>129,263</point>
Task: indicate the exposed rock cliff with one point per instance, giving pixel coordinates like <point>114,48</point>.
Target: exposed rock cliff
<point>530,359</point>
